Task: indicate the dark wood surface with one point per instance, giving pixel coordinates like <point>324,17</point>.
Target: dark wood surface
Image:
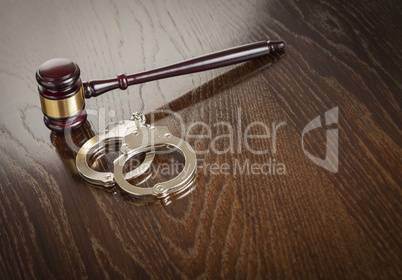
<point>309,223</point>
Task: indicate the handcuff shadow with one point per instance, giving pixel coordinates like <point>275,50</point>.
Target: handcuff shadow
<point>219,84</point>
<point>135,200</point>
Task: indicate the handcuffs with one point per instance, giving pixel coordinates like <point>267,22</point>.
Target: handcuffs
<point>135,137</point>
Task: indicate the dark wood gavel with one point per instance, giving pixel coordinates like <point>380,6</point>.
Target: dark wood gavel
<point>62,93</point>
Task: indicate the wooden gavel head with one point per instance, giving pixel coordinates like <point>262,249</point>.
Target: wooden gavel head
<point>61,94</point>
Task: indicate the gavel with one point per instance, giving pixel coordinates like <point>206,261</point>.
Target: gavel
<point>62,93</point>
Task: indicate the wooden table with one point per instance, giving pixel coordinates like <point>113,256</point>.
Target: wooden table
<point>306,219</point>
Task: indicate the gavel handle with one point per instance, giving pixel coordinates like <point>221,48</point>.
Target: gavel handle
<point>198,64</point>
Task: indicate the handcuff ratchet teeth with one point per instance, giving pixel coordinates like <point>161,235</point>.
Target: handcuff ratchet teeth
<point>135,137</point>
<point>150,139</point>
<point>113,134</point>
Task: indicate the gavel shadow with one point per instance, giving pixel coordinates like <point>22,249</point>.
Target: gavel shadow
<point>68,145</point>
<point>217,85</point>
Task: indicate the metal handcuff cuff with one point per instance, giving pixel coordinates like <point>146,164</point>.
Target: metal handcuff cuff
<point>135,137</point>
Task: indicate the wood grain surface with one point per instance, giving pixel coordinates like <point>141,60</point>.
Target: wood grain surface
<point>305,223</point>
